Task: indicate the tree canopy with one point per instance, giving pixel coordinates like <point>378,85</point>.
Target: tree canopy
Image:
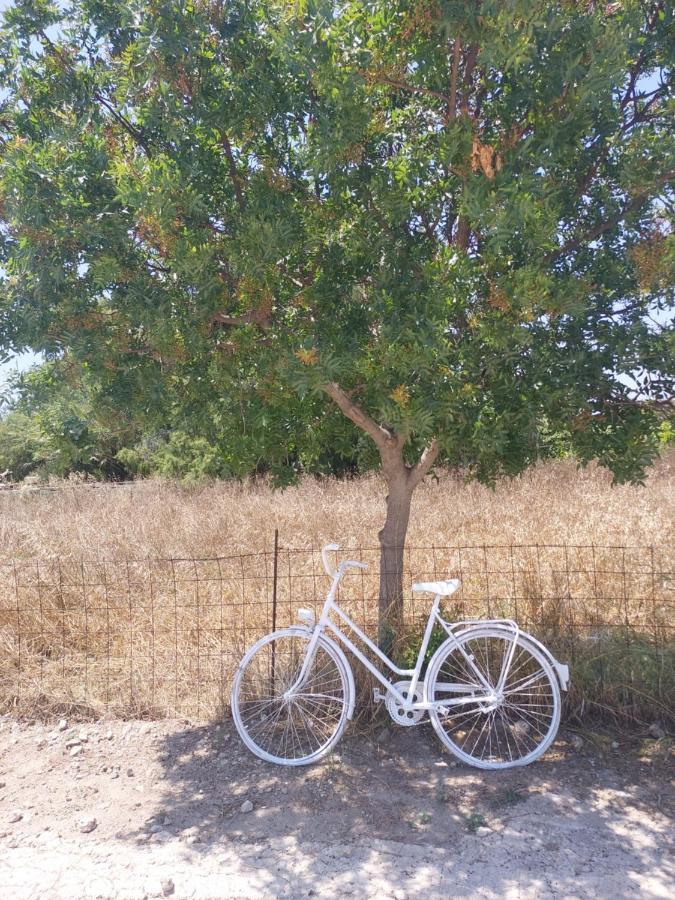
<point>447,224</point>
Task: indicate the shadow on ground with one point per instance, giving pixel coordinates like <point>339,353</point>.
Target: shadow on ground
<point>572,822</point>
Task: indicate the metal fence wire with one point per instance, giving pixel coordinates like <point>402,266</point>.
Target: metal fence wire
<point>153,637</point>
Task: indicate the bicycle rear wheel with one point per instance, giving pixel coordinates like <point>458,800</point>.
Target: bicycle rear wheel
<point>291,730</point>
<point>512,731</point>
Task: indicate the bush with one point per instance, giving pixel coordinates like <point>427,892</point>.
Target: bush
<point>178,455</point>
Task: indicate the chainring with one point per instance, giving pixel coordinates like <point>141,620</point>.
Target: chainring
<point>398,714</point>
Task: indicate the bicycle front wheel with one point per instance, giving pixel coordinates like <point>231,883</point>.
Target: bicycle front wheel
<point>512,730</point>
<point>295,729</point>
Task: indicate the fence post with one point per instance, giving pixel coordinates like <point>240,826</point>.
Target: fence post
<point>274,600</point>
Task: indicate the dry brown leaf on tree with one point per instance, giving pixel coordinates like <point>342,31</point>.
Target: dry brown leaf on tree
<point>485,158</point>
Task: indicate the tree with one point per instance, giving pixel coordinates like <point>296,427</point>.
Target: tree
<point>446,222</point>
<point>57,425</point>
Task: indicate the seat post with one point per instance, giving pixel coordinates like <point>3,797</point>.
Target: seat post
<point>425,643</point>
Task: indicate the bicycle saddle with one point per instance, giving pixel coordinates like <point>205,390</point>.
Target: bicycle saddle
<point>445,588</point>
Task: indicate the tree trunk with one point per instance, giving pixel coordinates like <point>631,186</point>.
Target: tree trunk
<point>402,479</point>
<point>392,544</point>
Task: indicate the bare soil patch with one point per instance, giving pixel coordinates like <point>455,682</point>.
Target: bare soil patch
<point>389,817</point>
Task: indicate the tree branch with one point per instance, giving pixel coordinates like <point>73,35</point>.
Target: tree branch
<point>471,59</point>
<point>374,78</point>
<point>452,102</point>
<point>463,233</point>
<point>384,439</point>
<point>234,175</point>
<point>250,318</point>
<point>424,464</point>
<point>602,227</point>
<point>131,129</point>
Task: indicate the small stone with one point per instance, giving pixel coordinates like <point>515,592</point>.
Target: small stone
<point>84,737</point>
<point>656,731</point>
<point>76,750</point>
<point>483,831</point>
<point>63,724</point>
<point>130,773</point>
<point>193,839</point>
<point>15,817</point>
<point>2,784</point>
<point>246,806</point>
<point>109,736</point>
<point>159,837</point>
<point>87,824</point>
<point>577,741</point>
<point>615,745</point>
<point>72,742</point>
<point>168,887</point>
<point>166,820</point>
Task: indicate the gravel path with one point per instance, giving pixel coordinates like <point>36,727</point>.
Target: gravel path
<point>180,809</point>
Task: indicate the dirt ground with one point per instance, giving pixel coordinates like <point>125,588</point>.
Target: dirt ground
<point>173,808</point>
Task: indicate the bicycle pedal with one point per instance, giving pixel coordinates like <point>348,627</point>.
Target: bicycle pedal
<point>378,696</point>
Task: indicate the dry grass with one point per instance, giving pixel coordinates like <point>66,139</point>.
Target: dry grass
<point>554,504</point>
<point>81,627</point>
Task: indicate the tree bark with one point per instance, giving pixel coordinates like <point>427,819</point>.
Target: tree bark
<point>392,545</point>
<point>401,481</point>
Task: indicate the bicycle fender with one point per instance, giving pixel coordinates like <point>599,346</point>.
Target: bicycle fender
<point>561,670</point>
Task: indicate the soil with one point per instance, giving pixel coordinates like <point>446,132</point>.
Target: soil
<point>181,809</point>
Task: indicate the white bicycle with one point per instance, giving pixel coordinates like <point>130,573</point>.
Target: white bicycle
<point>492,691</point>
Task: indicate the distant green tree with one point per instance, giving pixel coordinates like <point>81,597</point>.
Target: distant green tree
<point>57,426</point>
<point>22,448</point>
<point>447,221</point>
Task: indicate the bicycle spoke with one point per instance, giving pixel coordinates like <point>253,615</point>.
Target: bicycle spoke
<point>496,730</point>
<point>296,728</point>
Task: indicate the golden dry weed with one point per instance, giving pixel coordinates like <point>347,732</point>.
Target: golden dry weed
<point>554,503</point>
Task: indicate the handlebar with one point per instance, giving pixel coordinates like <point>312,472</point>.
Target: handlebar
<point>347,564</point>
<point>324,556</point>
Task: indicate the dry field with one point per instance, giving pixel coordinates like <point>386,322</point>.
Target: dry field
<point>553,504</point>
<point>141,598</point>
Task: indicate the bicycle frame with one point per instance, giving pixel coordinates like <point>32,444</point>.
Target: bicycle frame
<point>490,696</point>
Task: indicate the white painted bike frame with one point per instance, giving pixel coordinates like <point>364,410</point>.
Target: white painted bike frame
<point>492,694</point>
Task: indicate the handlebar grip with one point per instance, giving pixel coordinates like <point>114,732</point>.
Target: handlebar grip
<point>351,563</point>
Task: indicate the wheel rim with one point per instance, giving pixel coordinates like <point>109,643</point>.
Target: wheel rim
<point>295,728</point>
<point>515,728</point>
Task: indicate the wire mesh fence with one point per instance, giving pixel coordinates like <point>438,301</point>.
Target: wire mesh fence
<point>152,637</point>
